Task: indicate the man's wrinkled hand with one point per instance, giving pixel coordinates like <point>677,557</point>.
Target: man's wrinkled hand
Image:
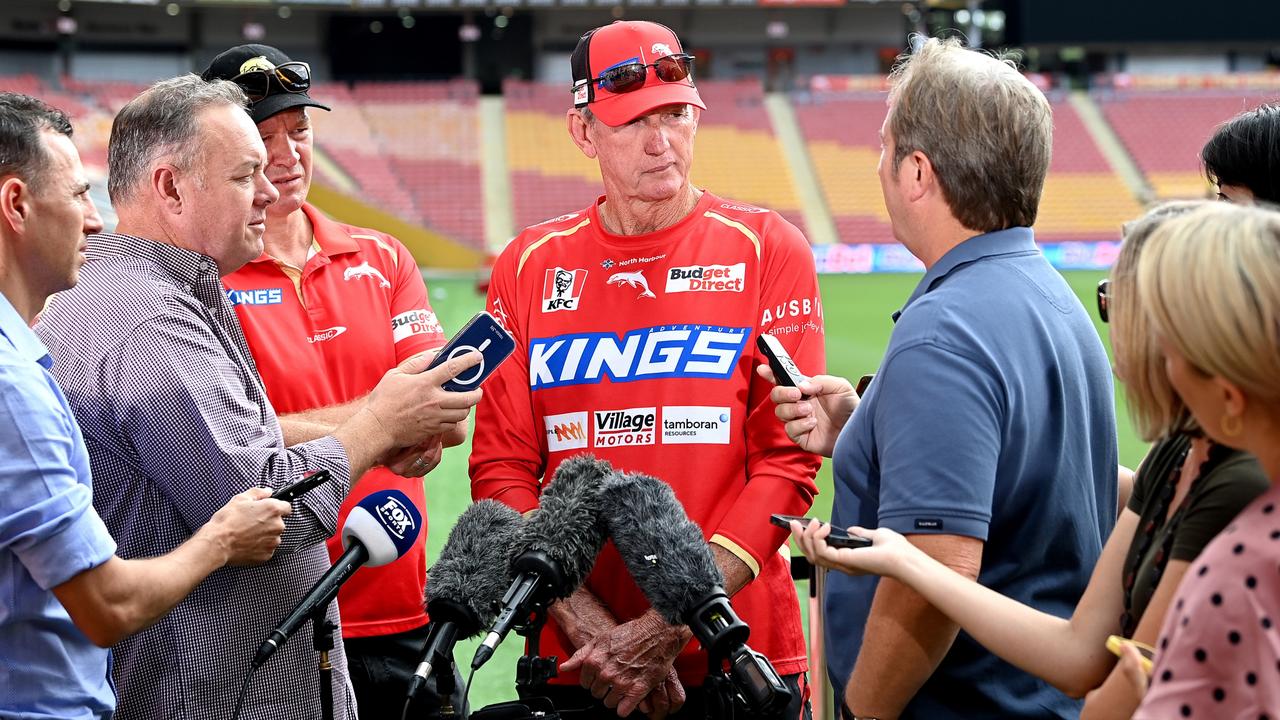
<point>623,667</point>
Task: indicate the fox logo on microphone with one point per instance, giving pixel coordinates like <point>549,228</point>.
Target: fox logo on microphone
<point>386,523</point>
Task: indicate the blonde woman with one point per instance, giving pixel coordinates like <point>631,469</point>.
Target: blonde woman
<point>1185,492</point>
<point>1211,283</point>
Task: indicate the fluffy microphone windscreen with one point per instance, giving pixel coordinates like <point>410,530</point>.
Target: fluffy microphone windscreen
<point>567,525</point>
<point>663,549</point>
<point>474,568</point>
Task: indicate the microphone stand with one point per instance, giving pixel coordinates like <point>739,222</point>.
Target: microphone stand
<point>322,641</point>
<point>533,671</point>
<point>750,685</point>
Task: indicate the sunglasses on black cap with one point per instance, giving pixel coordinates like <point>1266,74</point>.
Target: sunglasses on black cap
<point>293,77</point>
<point>630,77</point>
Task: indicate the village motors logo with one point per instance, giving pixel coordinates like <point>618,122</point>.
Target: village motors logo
<point>706,278</point>
<point>567,431</point>
<point>561,289</point>
<point>621,428</point>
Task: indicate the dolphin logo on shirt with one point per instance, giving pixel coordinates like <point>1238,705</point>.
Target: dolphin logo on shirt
<point>633,279</point>
<point>364,269</point>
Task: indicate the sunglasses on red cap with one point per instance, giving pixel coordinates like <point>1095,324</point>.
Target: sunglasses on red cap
<point>629,77</point>
<point>293,77</point>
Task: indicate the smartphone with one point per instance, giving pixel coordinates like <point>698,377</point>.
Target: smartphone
<point>300,487</point>
<point>784,368</point>
<point>863,382</point>
<point>482,333</point>
<point>839,538</point>
<point>1115,643</point>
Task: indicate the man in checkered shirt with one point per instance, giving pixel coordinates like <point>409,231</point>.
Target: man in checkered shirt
<point>159,376</point>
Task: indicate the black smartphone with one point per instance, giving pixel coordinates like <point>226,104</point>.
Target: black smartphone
<point>300,487</point>
<point>863,382</point>
<point>784,368</point>
<point>839,538</point>
<point>482,333</point>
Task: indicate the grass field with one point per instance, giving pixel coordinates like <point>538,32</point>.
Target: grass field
<point>857,311</point>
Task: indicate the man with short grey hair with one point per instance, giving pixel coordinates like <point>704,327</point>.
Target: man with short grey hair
<point>157,371</point>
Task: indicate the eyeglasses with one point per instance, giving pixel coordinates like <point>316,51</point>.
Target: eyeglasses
<point>630,77</point>
<point>293,77</point>
<point>1104,299</point>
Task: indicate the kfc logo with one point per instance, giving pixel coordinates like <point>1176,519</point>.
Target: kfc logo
<point>561,289</point>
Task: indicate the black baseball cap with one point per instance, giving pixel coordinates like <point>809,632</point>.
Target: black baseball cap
<point>244,58</point>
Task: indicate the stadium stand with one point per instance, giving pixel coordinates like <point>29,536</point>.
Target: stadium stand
<point>412,149</point>
<point>736,153</point>
<point>1164,131</point>
<point>1083,199</point>
<point>842,132</point>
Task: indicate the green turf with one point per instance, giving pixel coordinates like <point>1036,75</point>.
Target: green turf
<point>857,310</point>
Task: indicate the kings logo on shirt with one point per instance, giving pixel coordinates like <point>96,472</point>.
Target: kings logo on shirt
<point>562,289</point>
<point>663,351</point>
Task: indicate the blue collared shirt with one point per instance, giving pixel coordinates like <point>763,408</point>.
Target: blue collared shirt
<point>49,533</point>
<point>990,417</point>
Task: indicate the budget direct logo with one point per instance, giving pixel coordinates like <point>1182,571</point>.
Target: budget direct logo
<point>415,322</point>
<point>695,425</point>
<point>624,428</point>
<point>664,351</point>
<point>395,517</point>
<point>562,289</point>
<point>706,278</point>
<point>567,431</point>
<point>265,296</point>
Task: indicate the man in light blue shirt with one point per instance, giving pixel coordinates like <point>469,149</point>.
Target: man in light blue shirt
<point>64,595</point>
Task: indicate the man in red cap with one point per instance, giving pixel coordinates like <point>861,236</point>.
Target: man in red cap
<point>327,309</point>
<point>637,319</point>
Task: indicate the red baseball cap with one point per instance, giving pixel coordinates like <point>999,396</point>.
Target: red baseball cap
<point>630,43</point>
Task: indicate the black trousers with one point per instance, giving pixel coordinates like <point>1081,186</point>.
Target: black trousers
<point>380,669</point>
<point>576,702</point>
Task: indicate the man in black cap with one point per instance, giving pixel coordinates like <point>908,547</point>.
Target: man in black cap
<point>327,309</point>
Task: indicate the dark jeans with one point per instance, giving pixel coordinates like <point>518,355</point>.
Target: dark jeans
<point>380,669</point>
<point>575,702</point>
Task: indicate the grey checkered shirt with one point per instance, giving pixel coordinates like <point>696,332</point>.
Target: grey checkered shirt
<point>153,361</point>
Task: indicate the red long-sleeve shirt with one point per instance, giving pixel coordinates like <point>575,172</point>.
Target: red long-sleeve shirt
<point>641,350</point>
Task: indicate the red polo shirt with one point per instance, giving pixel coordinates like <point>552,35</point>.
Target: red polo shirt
<point>324,336</point>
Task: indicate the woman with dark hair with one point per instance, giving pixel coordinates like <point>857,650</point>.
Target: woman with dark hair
<point>1242,159</point>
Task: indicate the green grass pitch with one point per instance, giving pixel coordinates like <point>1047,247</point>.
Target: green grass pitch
<point>857,310</point>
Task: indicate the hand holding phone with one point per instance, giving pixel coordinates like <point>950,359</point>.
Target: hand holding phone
<point>300,487</point>
<point>784,368</point>
<point>839,537</point>
<point>482,334</point>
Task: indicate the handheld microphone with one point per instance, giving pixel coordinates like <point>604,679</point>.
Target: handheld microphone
<point>379,529</point>
<point>467,582</point>
<point>672,564</point>
<point>557,549</point>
